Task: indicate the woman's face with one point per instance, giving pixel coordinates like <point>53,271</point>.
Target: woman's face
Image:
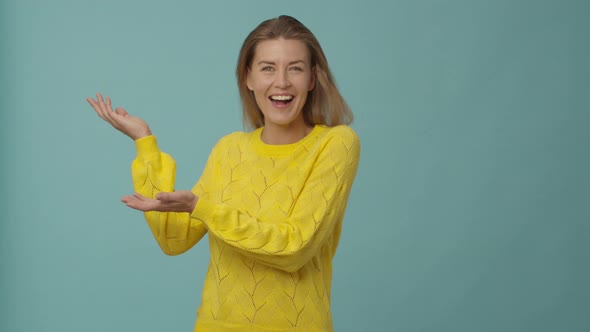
<point>280,77</point>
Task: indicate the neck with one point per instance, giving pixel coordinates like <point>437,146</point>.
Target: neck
<point>278,135</point>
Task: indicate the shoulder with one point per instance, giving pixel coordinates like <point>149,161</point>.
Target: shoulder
<point>341,143</point>
<point>232,139</point>
<point>344,133</point>
<point>341,136</point>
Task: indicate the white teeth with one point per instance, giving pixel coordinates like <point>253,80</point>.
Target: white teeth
<point>281,97</point>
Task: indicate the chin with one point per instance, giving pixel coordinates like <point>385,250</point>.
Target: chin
<point>281,117</point>
<point>280,122</point>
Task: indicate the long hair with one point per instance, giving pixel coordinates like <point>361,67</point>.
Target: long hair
<point>324,104</point>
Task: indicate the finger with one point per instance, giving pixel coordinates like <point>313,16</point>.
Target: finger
<point>110,114</point>
<point>163,197</point>
<point>121,111</point>
<point>99,99</point>
<point>136,196</point>
<point>109,110</point>
<point>168,197</point>
<point>144,205</point>
<point>108,105</point>
<point>132,202</point>
<point>93,103</point>
<point>127,198</point>
<point>113,118</point>
<point>96,108</point>
<point>101,104</point>
<point>137,205</point>
<point>139,196</point>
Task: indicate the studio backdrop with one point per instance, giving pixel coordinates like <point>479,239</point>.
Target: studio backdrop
<point>470,207</point>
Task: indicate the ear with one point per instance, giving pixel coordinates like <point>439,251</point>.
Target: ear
<point>249,80</point>
<point>312,79</point>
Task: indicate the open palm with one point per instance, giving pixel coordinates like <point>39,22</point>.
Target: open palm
<point>176,201</point>
<point>132,126</point>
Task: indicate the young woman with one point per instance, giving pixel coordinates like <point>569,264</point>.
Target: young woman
<point>271,200</point>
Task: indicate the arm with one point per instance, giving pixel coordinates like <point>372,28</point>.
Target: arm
<point>152,172</point>
<point>291,243</point>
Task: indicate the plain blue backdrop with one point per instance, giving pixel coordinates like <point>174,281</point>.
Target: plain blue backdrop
<point>470,208</point>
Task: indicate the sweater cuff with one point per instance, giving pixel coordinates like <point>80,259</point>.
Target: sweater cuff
<point>203,210</point>
<point>146,146</point>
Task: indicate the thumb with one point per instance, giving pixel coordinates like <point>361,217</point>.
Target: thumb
<point>121,111</point>
<point>163,196</point>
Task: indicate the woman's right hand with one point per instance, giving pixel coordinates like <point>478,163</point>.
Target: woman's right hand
<point>129,125</point>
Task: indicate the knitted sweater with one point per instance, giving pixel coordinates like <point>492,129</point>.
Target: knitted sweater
<point>273,214</point>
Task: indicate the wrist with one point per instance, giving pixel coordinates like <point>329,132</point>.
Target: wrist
<point>144,133</point>
<point>193,204</point>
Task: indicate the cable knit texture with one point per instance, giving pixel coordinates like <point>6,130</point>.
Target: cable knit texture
<point>273,214</point>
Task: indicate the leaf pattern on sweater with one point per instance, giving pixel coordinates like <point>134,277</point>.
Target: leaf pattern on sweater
<point>273,215</point>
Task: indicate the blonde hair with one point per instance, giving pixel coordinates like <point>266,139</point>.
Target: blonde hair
<point>324,104</point>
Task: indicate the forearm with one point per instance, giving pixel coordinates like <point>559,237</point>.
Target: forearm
<point>286,243</point>
<point>175,232</point>
<point>285,246</point>
<point>289,238</point>
<point>153,172</point>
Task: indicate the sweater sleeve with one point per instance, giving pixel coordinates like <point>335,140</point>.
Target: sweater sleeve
<point>154,171</point>
<point>290,243</point>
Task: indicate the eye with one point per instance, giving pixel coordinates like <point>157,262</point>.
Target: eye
<point>267,68</point>
<point>296,68</point>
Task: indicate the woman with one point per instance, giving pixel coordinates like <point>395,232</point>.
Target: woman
<point>272,200</point>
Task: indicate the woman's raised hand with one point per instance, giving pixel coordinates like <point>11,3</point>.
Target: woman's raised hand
<point>129,125</point>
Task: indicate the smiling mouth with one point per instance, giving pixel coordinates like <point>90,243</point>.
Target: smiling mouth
<point>281,100</point>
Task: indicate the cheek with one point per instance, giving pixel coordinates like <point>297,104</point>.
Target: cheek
<point>259,97</point>
<point>258,90</point>
<point>259,83</point>
<point>305,82</point>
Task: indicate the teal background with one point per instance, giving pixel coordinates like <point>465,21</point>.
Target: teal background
<point>470,208</point>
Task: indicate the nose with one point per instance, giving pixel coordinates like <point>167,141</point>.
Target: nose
<point>282,79</point>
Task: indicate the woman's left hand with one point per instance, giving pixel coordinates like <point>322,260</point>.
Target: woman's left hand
<point>177,201</point>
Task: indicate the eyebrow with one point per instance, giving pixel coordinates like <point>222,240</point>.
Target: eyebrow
<point>266,62</point>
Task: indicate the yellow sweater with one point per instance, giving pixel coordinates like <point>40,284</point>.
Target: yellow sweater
<point>273,214</point>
